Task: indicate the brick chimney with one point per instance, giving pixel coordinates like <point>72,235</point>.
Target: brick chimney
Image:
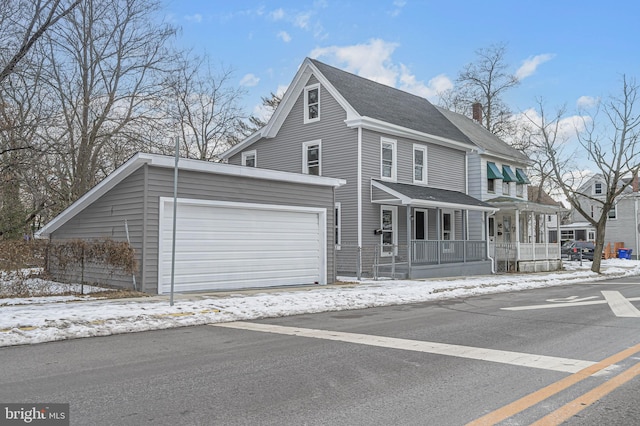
<point>477,111</point>
<point>634,183</point>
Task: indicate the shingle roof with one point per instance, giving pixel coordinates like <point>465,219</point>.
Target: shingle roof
<point>482,137</point>
<point>433,194</point>
<point>385,103</point>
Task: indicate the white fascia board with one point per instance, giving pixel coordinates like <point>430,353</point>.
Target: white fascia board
<point>401,198</point>
<point>393,129</point>
<point>94,193</point>
<point>243,171</point>
<point>135,162</point>
<point>242,145</point>
<point>307,69</point>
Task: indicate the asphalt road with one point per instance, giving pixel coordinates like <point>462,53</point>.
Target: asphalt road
<point>515,357</point>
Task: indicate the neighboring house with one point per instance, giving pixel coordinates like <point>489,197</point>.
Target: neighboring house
<point>236,227</point>
<point>412,204</point>
<point>497,175</point>
<point>622,220</point>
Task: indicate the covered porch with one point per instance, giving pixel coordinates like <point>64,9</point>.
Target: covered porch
<point>519,236</point>
<point>444,233</point>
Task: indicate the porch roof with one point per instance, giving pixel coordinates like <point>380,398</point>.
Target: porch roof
<point>508,203</point>
<point>422,196</point>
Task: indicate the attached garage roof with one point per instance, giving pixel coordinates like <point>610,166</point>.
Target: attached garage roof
<point>423,196</point>
<point>165,161</point>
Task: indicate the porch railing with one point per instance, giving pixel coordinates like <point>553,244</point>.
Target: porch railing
<point>528,251</point>
<point>424,252</point>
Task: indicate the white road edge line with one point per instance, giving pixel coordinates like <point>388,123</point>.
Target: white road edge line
<point>620,305</point>
<point>562,305</point>
<point>520,359</point>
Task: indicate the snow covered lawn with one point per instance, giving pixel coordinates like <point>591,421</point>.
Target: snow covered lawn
<point>43,319</point>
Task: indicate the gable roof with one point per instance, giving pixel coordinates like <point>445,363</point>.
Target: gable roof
<point>391,105</point>
<point>533,192</point>
<point>482,137</point>
<point>367,103</point>
<point>165,161</point>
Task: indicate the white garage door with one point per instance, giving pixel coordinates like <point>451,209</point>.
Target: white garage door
<point>224,245</point>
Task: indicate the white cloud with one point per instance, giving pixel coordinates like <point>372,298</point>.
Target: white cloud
<point>436,85</point>
<point>373,61</point>
<point>567,128</point>
<point>530,65</point>
<point>249,80</point>
<point>302,20</point>
<point>277,14</point>
<point>398,4</point>
<point>193,18</point>
<point>284,36</point>
<point>587,102</point>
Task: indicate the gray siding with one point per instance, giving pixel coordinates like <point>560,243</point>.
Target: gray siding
<point>105,218</point>
<point>234,189</point>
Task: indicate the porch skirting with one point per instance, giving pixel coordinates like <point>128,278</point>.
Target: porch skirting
<point>539,265</point>
<point>444,270</point>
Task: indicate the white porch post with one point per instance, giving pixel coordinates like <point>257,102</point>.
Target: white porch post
<point>517,237</point>
<point>409,247</point>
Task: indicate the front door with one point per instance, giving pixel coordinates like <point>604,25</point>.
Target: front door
<point>420,224</point>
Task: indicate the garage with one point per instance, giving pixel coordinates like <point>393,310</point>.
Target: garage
<point>230,245</point>
<point>237,226</point>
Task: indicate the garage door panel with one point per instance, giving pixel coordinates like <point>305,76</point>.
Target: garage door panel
<point>229,247</point>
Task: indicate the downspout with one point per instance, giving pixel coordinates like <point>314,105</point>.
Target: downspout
<point>359,183</point>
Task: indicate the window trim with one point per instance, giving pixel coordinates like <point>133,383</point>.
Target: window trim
<point>614,209</point>
<point>506,185</point>
<point>394,230</point>
<point>595,188</point>
<point>394,160</point>
<point>423,149</point>
<point>246,154</point>
<point>519,190</point>
<point>307,89</point>
<point>305,159</point>
<point>338,225</point>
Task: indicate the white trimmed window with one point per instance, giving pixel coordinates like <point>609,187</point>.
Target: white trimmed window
<point>597,188</point>
<point>505,188</point>
<point>312,103</point>
<point>249,158</point>
<point>311,157</point>
<point>388,226</point>
<point>420,164</point>
<point>338,225</point>
<point>613,213</point>
<point>388,162</point>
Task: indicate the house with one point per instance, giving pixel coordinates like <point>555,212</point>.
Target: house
<point>414,203</point>
<point>236,227</point>
<point>622,220</point>
<point>518,236</point>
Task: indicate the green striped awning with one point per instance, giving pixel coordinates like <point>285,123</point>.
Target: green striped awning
<point>522,176</point>
<point>493,172</point>
<point>508,175</point>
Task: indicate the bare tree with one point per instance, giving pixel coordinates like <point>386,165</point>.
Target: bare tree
<point>612,145</point>
<point>106,65</point>
<point>23,23</point>
<point>245,128</point>
<point>206,109</point>
<point>485,81</point>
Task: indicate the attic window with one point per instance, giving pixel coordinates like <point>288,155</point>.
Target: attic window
<point>597,188</point>
<point>312,103</point>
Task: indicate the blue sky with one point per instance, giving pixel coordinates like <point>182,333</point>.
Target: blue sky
<point>567,52</point>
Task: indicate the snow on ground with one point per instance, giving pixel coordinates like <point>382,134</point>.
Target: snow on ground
<point>43,319</point>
